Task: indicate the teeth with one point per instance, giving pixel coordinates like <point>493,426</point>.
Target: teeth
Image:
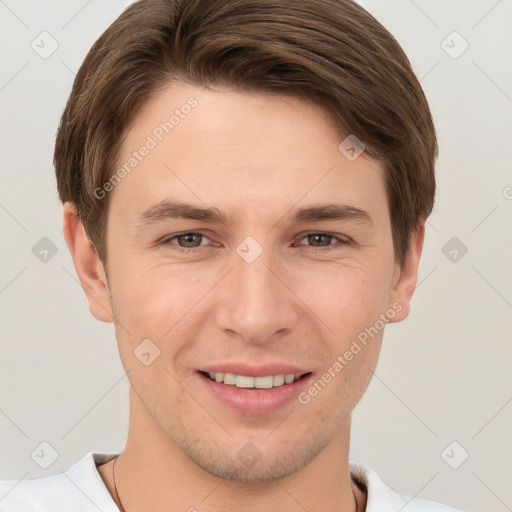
<point>229,378</point>
<point>278,380</point>
<point>288,379</point>
<point>242,381</point>
<point>264,382</point>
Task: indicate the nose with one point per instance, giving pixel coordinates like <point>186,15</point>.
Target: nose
<point>255,302</point>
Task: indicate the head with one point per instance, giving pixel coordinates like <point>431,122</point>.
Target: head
<point>246,185</point>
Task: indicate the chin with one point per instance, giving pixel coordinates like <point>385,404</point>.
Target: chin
<point>250,464</point>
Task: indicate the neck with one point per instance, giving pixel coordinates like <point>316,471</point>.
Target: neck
<point>152,473</point>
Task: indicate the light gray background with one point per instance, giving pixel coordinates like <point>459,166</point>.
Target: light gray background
<point>444,373</point>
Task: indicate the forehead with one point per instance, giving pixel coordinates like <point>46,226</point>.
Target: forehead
<point>237,150</point>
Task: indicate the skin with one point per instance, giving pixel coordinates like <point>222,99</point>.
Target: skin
<point>254,157</point>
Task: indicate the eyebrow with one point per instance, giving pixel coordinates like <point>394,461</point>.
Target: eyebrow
<point>174,209</point>
<point>330,212</point>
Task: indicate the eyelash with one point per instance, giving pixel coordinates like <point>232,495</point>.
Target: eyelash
<point>185,250</point>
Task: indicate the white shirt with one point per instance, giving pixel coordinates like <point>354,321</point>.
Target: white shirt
<point>81,489</point>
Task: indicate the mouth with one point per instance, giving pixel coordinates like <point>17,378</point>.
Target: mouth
<point>263,392</point>
<point>260,382</point>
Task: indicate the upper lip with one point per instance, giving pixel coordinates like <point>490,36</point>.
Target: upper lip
<point>250,370</point>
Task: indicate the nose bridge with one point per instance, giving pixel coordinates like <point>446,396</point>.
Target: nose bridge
<point>258,294</point>
<point>255,281</point>
<point>255,304</point>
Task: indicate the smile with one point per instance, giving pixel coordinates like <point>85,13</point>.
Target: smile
<point>264,392</point>
<point>246,382</point>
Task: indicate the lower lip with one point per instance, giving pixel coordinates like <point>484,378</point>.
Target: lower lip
<point>255,402</point>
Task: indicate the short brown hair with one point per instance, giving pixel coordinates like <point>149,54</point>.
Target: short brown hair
<point>330,52</point>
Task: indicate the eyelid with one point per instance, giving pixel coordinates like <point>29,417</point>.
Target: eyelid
<point>168,239</point>
<point>341,241</point>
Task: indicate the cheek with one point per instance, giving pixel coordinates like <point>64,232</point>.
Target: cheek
<point>346,298</point>
<point>161,303</point>
<point>342,381</point>
<point>156,326</point>
<point>349,301</point>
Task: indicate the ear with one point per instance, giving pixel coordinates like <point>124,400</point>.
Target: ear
<point>406,276</point>
<point>88,265</point>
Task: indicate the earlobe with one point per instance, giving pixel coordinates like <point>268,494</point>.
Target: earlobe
<point>407,276</point>
<point>88,265</point>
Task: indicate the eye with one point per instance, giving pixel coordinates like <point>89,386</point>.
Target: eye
<point>186,242</point>
<point>324,241</point>
<point>191,241</point>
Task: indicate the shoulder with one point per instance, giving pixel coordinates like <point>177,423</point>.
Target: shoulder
<point>26,495</point>
<point>79,489</point>
<point>381,498</point>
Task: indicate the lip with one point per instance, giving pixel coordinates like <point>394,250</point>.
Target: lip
<point>254,371</point>
<point>254,402</point>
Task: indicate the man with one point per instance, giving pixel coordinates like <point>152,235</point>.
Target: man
<point>245,188</point>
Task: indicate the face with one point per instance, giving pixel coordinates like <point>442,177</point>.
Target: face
<point>247,250</point>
